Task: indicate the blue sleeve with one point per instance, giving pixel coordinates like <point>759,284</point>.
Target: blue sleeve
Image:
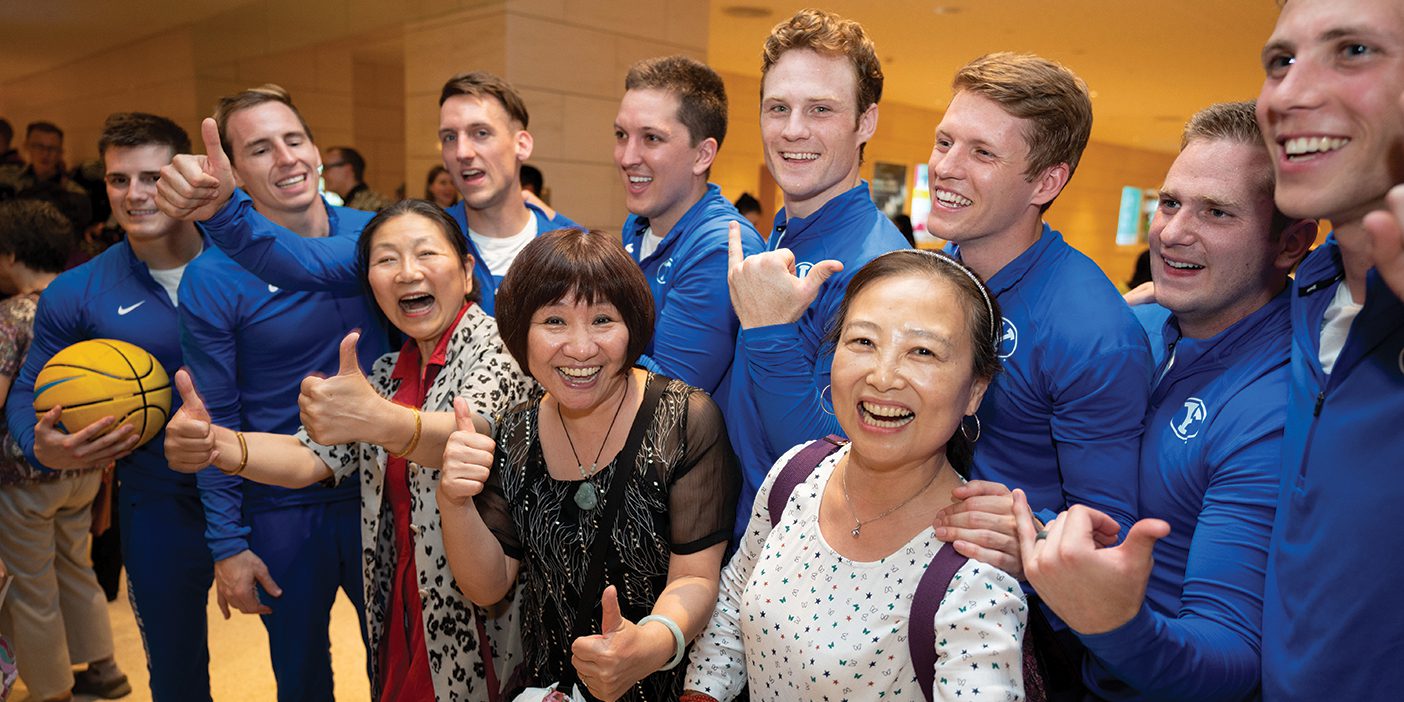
<point>695,336</point>
<point>207,329</point>
<point>1210,649</point>
<point>1099,407</point>
<point>278,255</point>
<point>561,221</point>
<point>788,371</point>
<point>58,323</point>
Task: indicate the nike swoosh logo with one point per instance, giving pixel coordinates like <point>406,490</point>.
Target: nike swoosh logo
<point>122,311</point>
<point>272,288</point>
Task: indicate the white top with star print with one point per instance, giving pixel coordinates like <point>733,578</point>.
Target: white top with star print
<point>798,621</point>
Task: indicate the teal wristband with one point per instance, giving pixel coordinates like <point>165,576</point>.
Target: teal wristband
<point>679,645</point>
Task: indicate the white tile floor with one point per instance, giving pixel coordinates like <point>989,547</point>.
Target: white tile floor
<point>239,669</point>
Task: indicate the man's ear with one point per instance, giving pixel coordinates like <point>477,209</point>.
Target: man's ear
<point>1049,183</point>
<point>1295,242</point>
<point>524,145</point>
<point>867,124</point>
<point>706,154</point>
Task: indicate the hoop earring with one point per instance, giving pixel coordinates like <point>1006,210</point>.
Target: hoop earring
<point>830,409</point>
<point>966,433</point>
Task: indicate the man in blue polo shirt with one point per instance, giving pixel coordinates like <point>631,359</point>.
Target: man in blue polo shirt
<point>248,345</point>
<point>1329,110</point>
<point>1187,623</point>
<point>129,292</point>
<point>670,126</point>
<point>820,86</point>
<point>1063,420</point>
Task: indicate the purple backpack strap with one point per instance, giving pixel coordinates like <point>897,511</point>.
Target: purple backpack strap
<point>921,625</point>
<point>796,471</point>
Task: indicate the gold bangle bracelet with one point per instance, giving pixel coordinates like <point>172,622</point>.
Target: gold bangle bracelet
<point>243,455</point>
<point>414,440</point>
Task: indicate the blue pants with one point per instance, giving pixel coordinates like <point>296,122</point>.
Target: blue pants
<point>169,573</point>
<point>310,550</point>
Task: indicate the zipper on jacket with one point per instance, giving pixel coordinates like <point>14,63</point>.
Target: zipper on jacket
<point>1320,400</point>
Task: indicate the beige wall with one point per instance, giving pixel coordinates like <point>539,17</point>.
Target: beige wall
<point>568,59</point>
<point>368,74</point>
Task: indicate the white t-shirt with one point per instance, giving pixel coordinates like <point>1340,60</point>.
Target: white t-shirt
<point>170,280</point>
<point>499,252</point>
<point>649,244</point>
<point>1335,325</point>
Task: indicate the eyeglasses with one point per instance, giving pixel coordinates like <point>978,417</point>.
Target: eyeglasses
<point>338,164</point>
<point>44,148</point>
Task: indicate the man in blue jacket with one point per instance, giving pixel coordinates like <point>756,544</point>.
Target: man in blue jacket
<point>248,345</point>
<point>1329,109</point>
<point>1063,420</point>
<point>1186,624</point>
<point>670,126</point>
<point>484,139</point>
<point>819,106</point>
<point>129,292</point>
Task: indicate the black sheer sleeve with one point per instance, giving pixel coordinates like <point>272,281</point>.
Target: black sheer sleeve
<point>705,484</point>
<point>514,439</point>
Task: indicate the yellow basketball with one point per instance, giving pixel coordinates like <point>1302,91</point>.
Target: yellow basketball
<point>105,377</point>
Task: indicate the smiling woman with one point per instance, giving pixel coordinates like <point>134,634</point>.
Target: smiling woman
<point>915,347</point>
<point>616,476</point>
<point>416,266</point>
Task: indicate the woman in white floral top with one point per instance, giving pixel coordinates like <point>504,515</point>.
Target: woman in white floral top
<point>818,607</point>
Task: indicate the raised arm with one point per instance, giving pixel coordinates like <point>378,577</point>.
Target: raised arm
<point>477,560</point>
<point>200,188</point>
<point>194,444</point>
<point>1210,648</point>
<point>695,337</point>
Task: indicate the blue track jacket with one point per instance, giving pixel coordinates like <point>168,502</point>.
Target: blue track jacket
<point>112,296</point>
<point>695,335</point>
<point>770,397</point>
<point>281,257</point>
<point>1331,628</point>
<point>248,345</point>
<point>1063,420</point>
<point>1210,466</point>
<point>486,282</point>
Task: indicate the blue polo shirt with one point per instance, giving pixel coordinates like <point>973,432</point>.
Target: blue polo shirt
<point>695,335</point>
<point>1330,623</point>
<point>1063,420</point>
<point>1210,466</point>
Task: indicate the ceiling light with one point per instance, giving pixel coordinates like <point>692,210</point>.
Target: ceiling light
<point>746,11</point>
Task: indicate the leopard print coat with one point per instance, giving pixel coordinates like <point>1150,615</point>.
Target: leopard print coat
<point>477,366</point>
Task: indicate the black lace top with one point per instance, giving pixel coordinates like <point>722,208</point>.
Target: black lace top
<point>680,498</point>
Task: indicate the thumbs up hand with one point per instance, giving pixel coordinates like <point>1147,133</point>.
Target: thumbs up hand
<point>767,288</point>
<point>622,654</point>
<point>467,459</point>
<point>1094,589</point>
<point>190,439</point>
<point>193,187</point>
<point>344,407</point>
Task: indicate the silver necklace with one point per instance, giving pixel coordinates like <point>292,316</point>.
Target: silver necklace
<point>587,496</point>
<point>858,523</point>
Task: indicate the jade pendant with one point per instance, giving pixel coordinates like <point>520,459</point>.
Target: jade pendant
<point>585,496</point>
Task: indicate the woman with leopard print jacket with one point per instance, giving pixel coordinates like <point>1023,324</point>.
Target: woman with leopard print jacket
<point>427,640</point>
